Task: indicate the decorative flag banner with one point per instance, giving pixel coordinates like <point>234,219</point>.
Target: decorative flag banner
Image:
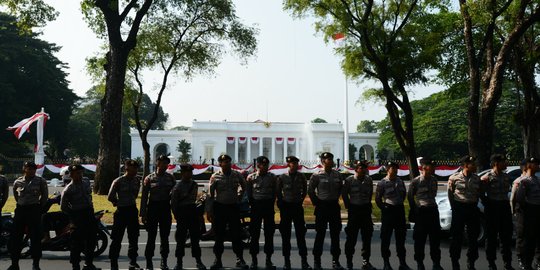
<point>255,140</point>
<point>242,140</point>
<point>23,125</point>
<point>291,140</point>
<point>338,36</point>
<point>279,140</point>
<point>230,140</point>
<point>40,169</point>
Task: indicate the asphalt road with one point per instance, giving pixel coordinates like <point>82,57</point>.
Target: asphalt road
<point>60,260</point>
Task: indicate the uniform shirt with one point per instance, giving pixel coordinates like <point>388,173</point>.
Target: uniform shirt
<point>390,192</point>
<point>156,188</point>
<point>292,187</point>
<point>496,186</point>
<point>30,191</point>
<point>325,186</point>
<point>261,187</point>
<point>357,191</point>
<point>184,193</point>
<point>4,191</point>
<point>529,190</point>
<point>513,199</point>
<point>124,191</point>
<point>224,188</point>
<point>423,190</point>
<point>464,189</point>
<point>76,196</point>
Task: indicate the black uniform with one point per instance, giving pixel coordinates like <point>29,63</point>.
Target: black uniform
<point>324,190</point>
<point>261,190</point>
<point>498,215</point>
<point>389,197</point>
<point>183,198</point>
<point>292,189</point>
<point>425,214</point>
<point>528,196</point>
<point>156,207</point>
<point>31,197</point>
<point>463,194</point>
<point>123,193</point>
<point>77,203</point>
<point>357,194</point>
<point>4,194</point>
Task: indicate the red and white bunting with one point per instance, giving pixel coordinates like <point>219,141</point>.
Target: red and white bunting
<point>242,140</point>
<point>23,125</point>
<point>291,140</point>
<point>254,140</point>
<point>230,140</point>
<point>279,140</point>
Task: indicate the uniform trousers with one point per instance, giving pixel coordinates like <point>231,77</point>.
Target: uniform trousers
<point>393,220</point>
<point>227,215</point>
<point>464,214</point>
<point>262,210</point>
<point>499,226</point>
<point>531,234</point>
<point>427,224</point>
<point>187,220</point>
<point>26,217</point>
<point>327,213</point>
<point>158,214</point>
<point>84,235</point>
<point>289,213</point>
<point>125,217</point>
<point>359,219</point>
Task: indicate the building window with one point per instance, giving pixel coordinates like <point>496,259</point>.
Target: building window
<point>208,152</point>
<point>327,148</point>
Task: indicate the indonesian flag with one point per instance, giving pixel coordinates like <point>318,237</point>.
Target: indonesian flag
<point>21,127</point>
<point>242,140</point>
<point>338,36</point>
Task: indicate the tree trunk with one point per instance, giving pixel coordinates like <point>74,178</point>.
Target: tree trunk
<point>146,149</point>
<point>108,162</point>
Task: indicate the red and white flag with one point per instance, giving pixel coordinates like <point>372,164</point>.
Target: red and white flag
<point>23,125</point>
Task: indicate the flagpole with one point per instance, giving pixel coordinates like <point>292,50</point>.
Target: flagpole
<point>346,133</point>
<point>39,155</point>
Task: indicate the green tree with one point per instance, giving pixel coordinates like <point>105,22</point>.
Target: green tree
<point>352,150</point>
<point>318,120</point>
<point>184,147</point>
<point>31,77</point>
<point>180,128</point>
<point>394,42</point>
<point>29,13</point>
<point>367,126</point>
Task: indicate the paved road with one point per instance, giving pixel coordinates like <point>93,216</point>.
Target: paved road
<point>60,260</point>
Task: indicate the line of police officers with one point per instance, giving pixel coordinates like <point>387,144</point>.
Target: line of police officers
<point>161,194</point>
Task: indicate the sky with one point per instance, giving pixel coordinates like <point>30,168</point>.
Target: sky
<point>294,77</point>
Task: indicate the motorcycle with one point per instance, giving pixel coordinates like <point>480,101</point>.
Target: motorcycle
<point>59,223</point>
<point>6,225</point>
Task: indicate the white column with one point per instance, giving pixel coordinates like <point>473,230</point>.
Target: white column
<point>260,146</point>
<point>285,146</point>
<point>273,155</point>
<point>248,150</point>
<point>297,146</point>
<point>236,149</point>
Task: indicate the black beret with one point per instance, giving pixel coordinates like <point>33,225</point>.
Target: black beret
<point>523,162</point>
<point>497,158</point>
<point>30,164</point>
<point>533,160</point>
<point>326,155</point>
<point>131,163</point>
<point>262,159</point>
<point>291,159</point>
<point>164,158</point>
<point>223,158</point>
<point>427,161</point>
<point>467,159</point>
<point>362,164</point>
<point>186,167</point>
<point>391,164</point>
<point>75,167</point>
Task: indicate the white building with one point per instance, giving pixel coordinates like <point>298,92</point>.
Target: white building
<point>244,141</point>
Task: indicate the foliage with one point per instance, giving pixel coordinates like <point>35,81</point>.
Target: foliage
<point>367,126</point>
<point>29,13</point>
<point>352,150</point>
<point>184,147</point>
<point>31,77</point>
<point>180,128</point>
<point>318,120</point>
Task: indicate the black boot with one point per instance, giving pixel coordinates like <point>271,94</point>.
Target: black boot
<point>336,265</point>
<point>455,265</point>
<point>492,265</point>
<point>149,264</point>
<point>163,264</point>
<point>254,262</point>
<point>114,264</point>
<point>470,265</point>
<point>287,263</point>
<point>217,264</point>
<point>90,266</point>
<point>75,266</point>
<point>240,263</point>
<point>508,266</point>
<point>349,262</point>
<point>437,265</point>
<point>305,264</point>
<point>367,266</point>
<point>403,264</point>
<point>269,265</point>
<point>317,263</point>
<point>133,265</point>
<point>179,264</point>
<point>200,264</point>
<point>35,265</point>
<point>420,265</point>
<point>387,265</point>
<point>14,266</point>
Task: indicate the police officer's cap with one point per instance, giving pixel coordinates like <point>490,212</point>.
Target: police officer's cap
<point>186,167</point>
<point>131,163</point>
<point>533,160</point>
<point>262,160</point>
<point>497,158</point>
<point>326,155</point>
<point>523,162</point>
<point>75,167</point>
<point>361,164</point>
<point>291,159</point>
<point>223,158</point>
<point>467,159</point>
<point>164,158</point>
<point>391,164</point>
<point>30,164</point>
<point>427,162</point>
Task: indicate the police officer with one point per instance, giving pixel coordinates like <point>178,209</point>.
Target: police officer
<point>183,203</point>
<point>324,190</point>
<point>30,192</point>
<point>292,190</point>
<point>123,193</point>
<point>389,196</point>
<point>224,192</point>
<point>4,193</point>
<point>156,210</point>
<point>357,194</point>
<point>77,203</point>
<point>261,189</point>
<point>425,214</point>
<point>464,190</point>
<point>528,196</point>
<point>498,212</point>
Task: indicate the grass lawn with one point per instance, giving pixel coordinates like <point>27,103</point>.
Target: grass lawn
<point>101,203</point>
